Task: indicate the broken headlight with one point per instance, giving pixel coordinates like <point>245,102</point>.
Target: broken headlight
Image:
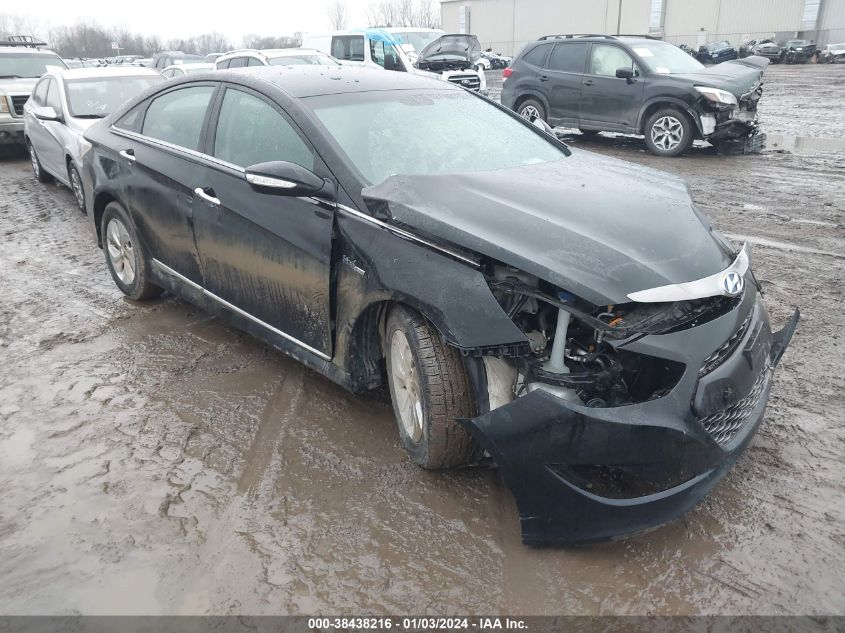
<point>715,95</point>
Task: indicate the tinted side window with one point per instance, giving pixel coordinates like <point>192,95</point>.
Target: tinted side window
<point>176,117</point>
<point>223,65</point>
<point>53,98</point>
<point>167,73</point>
<point>237,62</point>
<point>250,131</point>
<point>254,61</point>
<point>348,47</point>
<point>569,57</point>
<point>537,55</point>
<point>605,59</point>
<point>39,95</point>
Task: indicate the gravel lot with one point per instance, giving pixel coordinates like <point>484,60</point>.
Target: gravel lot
<point>156,460</point>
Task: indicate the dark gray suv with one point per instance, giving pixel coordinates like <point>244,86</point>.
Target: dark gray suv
<point>636,85</point>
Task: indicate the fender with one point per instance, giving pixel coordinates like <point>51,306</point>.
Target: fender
<point>680,103</point>
<point>376,266</point>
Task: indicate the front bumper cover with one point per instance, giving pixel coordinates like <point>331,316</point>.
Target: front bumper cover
<point>590,474</point>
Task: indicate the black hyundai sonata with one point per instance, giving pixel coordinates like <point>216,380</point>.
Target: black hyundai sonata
<point>570,318</point>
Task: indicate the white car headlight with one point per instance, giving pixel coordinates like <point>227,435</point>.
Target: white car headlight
<point>4,104</point>
<point>717,96</point>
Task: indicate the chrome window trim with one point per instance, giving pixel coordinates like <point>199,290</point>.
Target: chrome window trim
<point>709,286</point>
<point>406,235</point>
<point>169,271</point>
<point>149,140</point>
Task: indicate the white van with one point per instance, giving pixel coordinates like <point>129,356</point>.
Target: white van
<point>377,48</point>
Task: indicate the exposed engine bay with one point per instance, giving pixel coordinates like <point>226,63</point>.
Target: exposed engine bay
<point>577,349</point>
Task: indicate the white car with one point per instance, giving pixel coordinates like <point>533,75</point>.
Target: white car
<point>65,103</point>
<point>379,48</point>
<point>274,57</point>
<point>180,70</point>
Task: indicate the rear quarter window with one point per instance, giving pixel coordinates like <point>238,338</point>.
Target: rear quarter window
<point>537,55</point>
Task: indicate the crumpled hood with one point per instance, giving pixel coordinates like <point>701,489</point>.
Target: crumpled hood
<point>595,226</point>
<point>450,48</point>
<point>737,76</point>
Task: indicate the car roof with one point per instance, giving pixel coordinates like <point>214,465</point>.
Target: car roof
<point>309,81</point>
<point>102,71</point>
<point>291,52</point>
<point>207,65</point>
<point>28,50</point>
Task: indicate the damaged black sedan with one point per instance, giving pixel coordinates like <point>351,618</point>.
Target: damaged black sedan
<point>570,318</point>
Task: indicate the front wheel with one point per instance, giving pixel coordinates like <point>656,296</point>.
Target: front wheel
<point>430,389</point>
<point>126,257</point>
<point>37,169</point>
<point>668,132</point>
<point>76,187</point>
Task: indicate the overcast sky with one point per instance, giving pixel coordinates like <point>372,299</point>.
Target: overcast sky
<point>170,19</point>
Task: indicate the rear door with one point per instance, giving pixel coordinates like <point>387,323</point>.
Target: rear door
<point>608,102</point>
<point>563,75</point>
<point>268,255</point>
<point>158,171</point>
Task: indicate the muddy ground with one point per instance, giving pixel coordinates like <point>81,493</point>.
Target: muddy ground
<point>155,460</point>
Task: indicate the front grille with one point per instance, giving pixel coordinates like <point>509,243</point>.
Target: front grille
<point>726,349</point>
<point>470,82</point>
<point>725,424</point>
<point>18,102</point>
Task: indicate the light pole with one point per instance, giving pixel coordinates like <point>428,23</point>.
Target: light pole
<point>619,18</point>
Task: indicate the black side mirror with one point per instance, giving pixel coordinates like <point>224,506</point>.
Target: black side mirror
<point>626,74</point>
<point>282,178</point>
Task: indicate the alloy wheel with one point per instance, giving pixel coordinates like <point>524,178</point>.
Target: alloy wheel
<point>406,386</point>
<point>121,252</point>
<point>667,133</point>
<point>529,112</point>
<point>76,186</point>
<point>36,169</point>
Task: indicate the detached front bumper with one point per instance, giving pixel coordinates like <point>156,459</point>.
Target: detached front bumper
<point>590,474</point>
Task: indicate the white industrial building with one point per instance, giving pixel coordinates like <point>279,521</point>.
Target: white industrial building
<point>507,25</point>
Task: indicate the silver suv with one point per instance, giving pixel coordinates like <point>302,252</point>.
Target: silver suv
<point>22,62</point>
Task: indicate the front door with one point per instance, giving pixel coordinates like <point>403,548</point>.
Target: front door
<point>607,101</point>
<point>267,255</point>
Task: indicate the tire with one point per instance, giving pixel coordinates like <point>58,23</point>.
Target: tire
<point>531,108</point>
<point>37,169</point>
<point>429,389</point>
<point>76,186</point>
<point>126,257</point>
<point>668,132</point>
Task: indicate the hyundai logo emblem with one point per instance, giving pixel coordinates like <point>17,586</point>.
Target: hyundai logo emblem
<point>732,283</point>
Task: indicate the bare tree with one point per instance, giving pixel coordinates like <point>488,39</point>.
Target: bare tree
<point>418,13</point>
<point>337,14</point>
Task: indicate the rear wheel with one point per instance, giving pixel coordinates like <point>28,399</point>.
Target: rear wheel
<point>429,388</point>
<point>37,169</point>
<point>531,109</point>
<point>668,132</point>
<point>126,257</point>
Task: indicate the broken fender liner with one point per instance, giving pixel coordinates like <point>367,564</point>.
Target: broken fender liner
<point>580,474</point>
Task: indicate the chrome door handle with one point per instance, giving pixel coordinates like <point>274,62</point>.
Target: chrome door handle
<point>199,193</point>
<point>128,154</point>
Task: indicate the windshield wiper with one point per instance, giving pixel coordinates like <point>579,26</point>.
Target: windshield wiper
<point>90,116</point>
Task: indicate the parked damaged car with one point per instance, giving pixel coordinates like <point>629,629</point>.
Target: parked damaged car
<point>832,54</point>
<point>569,317</point>
<point>798,51</point>
<point>637,85</point>
<point>716,53</point>
<point>768,49</point>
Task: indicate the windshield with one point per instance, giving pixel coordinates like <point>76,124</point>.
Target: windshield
<point>796,42</point>
<point>99,97</point>
<point>666,59</point>
<point>717,46</point>
<point>27,64</point>
<point>417,39</point>
<point>301,60</point>
<point>397,132</point>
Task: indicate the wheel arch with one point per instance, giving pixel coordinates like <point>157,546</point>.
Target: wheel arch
<point>101,200</point>
<point>530,94</point>
<point>667,102</point>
